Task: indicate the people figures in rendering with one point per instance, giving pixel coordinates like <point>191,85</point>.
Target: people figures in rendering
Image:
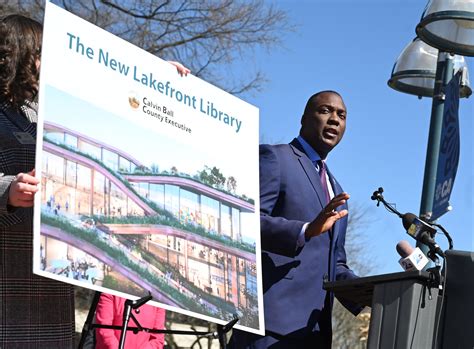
<point>303,217</point>
<point>110,312</point>
<point>35,312</point>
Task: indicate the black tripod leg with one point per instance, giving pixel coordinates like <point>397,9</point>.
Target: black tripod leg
<point>90,319</point>
<point>221,333</point>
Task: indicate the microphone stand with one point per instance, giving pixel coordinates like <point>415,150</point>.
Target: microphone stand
<point>377,196</point>
<point>435,272</point>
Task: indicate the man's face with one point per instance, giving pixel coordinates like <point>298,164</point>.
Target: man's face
<point>325,122</point>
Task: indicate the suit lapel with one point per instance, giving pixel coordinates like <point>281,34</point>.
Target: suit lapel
<point>309,169</point>
<point>315,181</point>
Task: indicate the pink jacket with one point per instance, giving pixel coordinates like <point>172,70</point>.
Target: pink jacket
<point>110,312</point>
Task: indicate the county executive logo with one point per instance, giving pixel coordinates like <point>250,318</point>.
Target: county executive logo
<point>133,100</point>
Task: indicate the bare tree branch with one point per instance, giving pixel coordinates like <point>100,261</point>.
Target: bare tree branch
<point>205,35</point>
<point>349,332</point>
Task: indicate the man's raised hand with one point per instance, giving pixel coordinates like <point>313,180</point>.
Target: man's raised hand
<point>327,217</point>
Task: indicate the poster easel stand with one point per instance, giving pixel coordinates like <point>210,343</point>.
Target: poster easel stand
<point>88,339</point>
<point>127,314</point>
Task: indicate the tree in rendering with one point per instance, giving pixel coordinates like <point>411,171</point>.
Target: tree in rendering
<point>212,177</point>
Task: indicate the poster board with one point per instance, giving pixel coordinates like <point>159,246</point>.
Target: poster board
<point>149,179</point>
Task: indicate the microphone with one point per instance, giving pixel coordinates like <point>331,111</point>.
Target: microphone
<point>421,231</point>
<point>412,258</point>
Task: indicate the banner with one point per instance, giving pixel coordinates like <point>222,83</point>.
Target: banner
<point>149,180</point>
<point>448,159</point>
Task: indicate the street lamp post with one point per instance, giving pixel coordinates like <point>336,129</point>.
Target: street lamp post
<point>446,25</point>
<point>414,72</point>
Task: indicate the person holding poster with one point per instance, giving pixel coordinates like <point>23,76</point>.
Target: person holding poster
<point>36,312</point>
<point>303,217</point>
<point>110,312</point>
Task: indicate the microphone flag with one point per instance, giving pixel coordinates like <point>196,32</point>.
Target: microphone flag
<point>412,258</point>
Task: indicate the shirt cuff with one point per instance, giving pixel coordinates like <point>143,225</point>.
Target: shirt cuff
<point>301,238</point>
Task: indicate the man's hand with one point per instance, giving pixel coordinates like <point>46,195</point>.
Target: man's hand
<point>327,217</point>
<point>23,189</point>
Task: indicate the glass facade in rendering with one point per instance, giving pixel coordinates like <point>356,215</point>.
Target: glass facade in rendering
<point>82,178</point>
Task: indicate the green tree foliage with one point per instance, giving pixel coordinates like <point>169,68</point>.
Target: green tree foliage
<point>212,177</point>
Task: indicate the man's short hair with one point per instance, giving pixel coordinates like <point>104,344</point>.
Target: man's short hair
<point>311,101</point>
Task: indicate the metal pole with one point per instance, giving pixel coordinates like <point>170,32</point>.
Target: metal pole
<point>126,318</point>
<point>444,74</point>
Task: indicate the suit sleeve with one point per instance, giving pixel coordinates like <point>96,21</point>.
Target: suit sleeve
<point>279,235</point>
<point>157,340</point>
<point>105,315</point>
<point>5,182</point>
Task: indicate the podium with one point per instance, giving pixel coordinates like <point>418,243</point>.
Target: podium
<point>404,307</point>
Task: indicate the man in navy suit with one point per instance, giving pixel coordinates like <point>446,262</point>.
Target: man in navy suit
<point>303,217</point>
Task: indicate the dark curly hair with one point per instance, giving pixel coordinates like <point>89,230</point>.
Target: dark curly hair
<point>20,46</point>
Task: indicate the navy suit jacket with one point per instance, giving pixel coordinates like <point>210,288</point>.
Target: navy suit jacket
<point>291,195</point>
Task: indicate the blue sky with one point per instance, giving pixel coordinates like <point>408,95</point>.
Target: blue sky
<point>351,46</point>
